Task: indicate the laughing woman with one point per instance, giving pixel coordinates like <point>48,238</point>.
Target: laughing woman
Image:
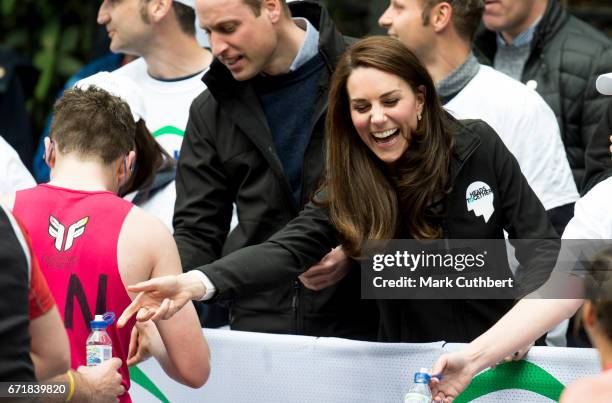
<point>397,166</point>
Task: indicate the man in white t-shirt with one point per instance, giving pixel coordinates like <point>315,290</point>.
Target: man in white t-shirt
<point>13,174</point>
<point>440,34</point>
<point>593,214</point>
<point>171,64</point>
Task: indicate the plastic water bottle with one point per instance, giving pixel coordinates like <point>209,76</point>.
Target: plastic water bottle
<point>99,345</point>
<point>419,391</point>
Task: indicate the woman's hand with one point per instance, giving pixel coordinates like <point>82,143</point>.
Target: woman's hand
<point>162,297</point>
<point>456,373</point>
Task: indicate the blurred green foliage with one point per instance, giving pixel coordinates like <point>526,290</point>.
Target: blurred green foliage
<point>56,36</point>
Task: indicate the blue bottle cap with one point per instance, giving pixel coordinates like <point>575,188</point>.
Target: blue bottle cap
<point>102,321</point>
<point>421,377</point>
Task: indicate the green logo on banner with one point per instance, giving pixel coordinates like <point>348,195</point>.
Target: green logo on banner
<point>162,131</point>
<point>140,378</point>
<point>523,375</point>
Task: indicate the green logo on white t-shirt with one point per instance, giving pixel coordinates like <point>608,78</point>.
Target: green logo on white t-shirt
<point>170,138</point>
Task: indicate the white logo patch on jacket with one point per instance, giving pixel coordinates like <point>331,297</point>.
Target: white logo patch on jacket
<point>479,199</point>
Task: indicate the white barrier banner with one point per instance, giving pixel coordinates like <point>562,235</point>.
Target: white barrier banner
<point>257,367</point>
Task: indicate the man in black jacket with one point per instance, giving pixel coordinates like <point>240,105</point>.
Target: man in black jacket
<point>256,138</point>
<point>540,44</point>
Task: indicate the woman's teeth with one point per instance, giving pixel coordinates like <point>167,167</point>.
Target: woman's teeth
<point>385,134</point>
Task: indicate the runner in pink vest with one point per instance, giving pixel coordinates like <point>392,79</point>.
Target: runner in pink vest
<point>92,244</point>
<point>75,235</point>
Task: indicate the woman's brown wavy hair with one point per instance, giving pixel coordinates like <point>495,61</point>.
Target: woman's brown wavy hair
<point>366,200</point>
<point>151,159</point>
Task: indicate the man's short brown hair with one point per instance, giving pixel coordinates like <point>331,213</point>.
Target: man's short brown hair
<point>467,15</point>
<point>255,5</point>
<point>93,123</point>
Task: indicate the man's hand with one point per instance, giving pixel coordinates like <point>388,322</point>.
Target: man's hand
<point>101,383</point>
<point>162,297</point>
<point>332,268</point>
<point>457,373</point>
<point>140,342</point>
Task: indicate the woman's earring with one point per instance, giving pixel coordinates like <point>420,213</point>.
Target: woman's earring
<point>419,116</point>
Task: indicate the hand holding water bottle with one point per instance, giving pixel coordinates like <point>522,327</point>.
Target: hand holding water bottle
<point>97,384</point>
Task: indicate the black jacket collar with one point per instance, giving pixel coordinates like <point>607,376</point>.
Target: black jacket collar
<point>552,21</point>
<point>465,142</point>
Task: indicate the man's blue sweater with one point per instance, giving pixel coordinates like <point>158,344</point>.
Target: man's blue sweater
<point>288,100</point>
